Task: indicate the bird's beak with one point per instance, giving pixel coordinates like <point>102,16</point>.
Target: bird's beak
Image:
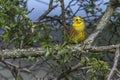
<point>79,22</point>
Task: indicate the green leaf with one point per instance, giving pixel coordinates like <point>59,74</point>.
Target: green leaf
<point>47,52</point>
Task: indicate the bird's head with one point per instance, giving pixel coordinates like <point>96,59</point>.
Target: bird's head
<point>78,19</point>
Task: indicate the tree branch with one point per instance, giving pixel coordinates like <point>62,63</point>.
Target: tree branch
<point>64,74</point>
<point>63,18</point>
<point>20,53</point>
<point>14,65</point>
<point>63,12</point>
<point>101,25</point>
<point>110,48</point>
<point>93,48</point>
<point>51,7</point>
<point>36,52</point>
<point>117,55</point>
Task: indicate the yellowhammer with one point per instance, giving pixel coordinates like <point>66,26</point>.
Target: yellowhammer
<point>77,31</point>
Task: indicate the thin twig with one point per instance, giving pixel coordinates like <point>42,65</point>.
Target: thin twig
<point>71,69</point>
<point>50,8</point>
<point>117,72</point>
<point>63,16</point>
<point>117,55</point>
<point>8,64</point>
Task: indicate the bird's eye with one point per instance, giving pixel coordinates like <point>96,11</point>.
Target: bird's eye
<point>76,19</point>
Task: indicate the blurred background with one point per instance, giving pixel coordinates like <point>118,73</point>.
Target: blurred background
<point>40,6</point>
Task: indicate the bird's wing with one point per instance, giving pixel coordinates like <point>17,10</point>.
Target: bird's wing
<point>72,32</point>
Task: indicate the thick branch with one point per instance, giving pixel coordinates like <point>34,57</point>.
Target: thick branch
<point>36,52</point>
<point>101,25</point>
<point>110,48</point>
<point>20,53</point>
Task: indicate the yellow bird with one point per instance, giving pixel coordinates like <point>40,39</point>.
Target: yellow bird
<point>77,31</point>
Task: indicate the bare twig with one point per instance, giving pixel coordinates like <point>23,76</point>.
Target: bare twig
<point>51,7</point>
<point>14,65</point>
<point>63,16</point>
<point>18,71</point>
<point>117,55</point>
<point>73,68</point>
<point>117,72</point>
<point>63,12</point>
<point>64,74</point>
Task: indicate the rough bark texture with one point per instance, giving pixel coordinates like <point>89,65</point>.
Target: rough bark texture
<point>101,25</point>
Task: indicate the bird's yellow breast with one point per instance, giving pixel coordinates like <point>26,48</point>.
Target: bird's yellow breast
<point>78,26</point>
<point>77,30</point>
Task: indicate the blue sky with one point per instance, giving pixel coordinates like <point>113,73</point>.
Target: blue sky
<point>41,5</point>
